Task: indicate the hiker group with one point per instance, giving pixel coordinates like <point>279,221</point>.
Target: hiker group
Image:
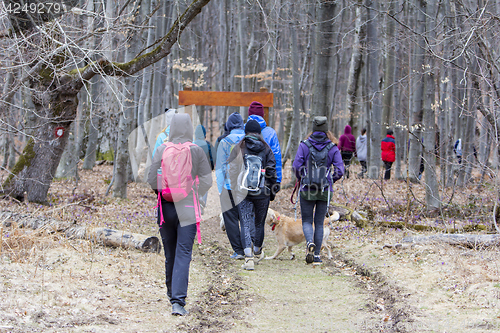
<point>248,172</point>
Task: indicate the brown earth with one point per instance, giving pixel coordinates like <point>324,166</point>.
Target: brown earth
<point>50,283</point>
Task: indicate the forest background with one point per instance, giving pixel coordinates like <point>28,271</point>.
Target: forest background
<point>98,70</point>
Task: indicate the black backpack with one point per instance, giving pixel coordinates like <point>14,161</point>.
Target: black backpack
<point>316,170</point>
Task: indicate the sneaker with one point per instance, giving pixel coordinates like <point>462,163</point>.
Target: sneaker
<point>317,260</point>
<point>249,264</point>
<point>259,255</point>
<point>237,256</point>
<point>178,310</point>
<point>310,252</point>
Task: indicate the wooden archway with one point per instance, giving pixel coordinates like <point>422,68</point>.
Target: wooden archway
<point>226,98</point>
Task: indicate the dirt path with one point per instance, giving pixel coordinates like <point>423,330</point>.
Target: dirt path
<point>280,295</point>
<point>49,283</point>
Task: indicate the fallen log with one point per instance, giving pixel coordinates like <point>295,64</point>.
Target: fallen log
<point>105,236</point>
<point>345,213</point>
<point>467,240</point>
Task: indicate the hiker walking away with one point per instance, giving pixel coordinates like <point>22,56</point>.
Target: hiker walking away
<point>162,137</point>
<point>228,204</point>
<point>388,147</point>
<point>347,147</point>
<point>318,164</point>
<point>178,210</point>
<point>256,112</point>
<point>253,177</point>
<point>216,145</point>
<point>361,151</point>
<point>200,134</point>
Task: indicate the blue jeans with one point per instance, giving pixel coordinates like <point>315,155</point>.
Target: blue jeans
<point>309,216</point>
<point>178,247</point>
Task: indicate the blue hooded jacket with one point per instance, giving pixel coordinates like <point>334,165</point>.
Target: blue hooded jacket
<point>271,138</point>
<point>200,140</point>
<point>236,130</point>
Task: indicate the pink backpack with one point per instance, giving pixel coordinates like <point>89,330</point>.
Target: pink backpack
<point>175,181</point>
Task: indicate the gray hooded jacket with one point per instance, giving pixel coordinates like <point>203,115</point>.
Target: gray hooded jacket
<point>181,131</point>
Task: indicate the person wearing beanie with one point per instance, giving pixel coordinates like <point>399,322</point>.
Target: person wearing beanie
<point>229,208</point>
<point>388,147</point>
<point>347,146</point>
<point>315,191</point>
<point>320,124</point>
<point>252,126</point>
<point>251,190</point>
<point>256,112</point>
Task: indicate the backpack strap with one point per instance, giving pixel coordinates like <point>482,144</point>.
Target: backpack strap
<point>308,144</point>
<point>197,210</point>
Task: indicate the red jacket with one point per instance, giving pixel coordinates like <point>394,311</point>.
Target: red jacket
<point>388,147</point>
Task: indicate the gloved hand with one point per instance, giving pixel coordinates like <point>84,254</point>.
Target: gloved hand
<point>274,189</point>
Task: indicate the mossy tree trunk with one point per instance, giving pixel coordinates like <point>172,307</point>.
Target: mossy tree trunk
<point>36,167</point>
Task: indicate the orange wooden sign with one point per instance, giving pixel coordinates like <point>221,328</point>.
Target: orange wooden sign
<point>224,98</point>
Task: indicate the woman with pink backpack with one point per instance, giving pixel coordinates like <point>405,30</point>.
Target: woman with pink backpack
<point>178,205</point>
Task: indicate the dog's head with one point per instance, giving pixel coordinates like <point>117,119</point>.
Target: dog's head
<point>272,217</point>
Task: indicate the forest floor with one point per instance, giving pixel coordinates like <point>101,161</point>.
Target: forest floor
<point>51,283</point>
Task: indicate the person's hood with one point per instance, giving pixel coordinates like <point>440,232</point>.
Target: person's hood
<point>347,129</point>
<point>200,133</point>
<point>362,138</point>
<point>234,121</point>
<point>181,128</point>
<point>253,144</point>
<point>258,119</point>
<point>319,140</point>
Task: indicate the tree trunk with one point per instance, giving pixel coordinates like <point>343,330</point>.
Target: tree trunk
<point>67,164</point>
<point>321,84</point>
<point>355,67</point>
<point>35,169</point>
<point>415,152</point>
<point>432,197</point>
<point>390,60</point>
<point>375,132</point>
<point>93,127</point>
<point>293,143</point>
<point>124,128</point>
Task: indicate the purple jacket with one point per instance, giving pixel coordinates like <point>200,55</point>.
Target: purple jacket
<point>347,141</point>
<point>319,140</point>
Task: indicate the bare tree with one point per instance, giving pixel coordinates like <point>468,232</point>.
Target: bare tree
<point>56,82</point>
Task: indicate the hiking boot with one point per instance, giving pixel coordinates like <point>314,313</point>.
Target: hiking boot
<point>310,252</point>
<point>237,256</point>
<point>249,264</point>
<point>259,255</point>
<point>178,310</point>
<point>317,260</point>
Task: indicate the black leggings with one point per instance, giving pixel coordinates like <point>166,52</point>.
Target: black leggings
<point>346,157</point>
